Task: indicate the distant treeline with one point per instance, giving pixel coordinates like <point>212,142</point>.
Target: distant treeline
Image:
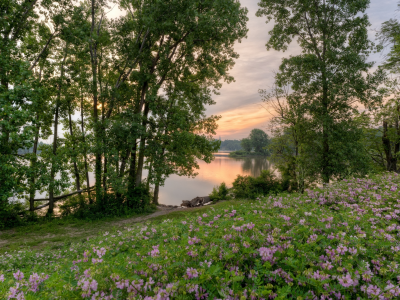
<point>30,150</point>
<point>231,145</point>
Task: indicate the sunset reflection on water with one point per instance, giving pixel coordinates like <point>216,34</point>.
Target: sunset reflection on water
<point>222,169</point>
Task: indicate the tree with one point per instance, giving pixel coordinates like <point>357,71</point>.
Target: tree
<point>246,144</point>
<point>259,140</point>
<point>288,129</point>
<point>389,35</point>
<point>330,76</point>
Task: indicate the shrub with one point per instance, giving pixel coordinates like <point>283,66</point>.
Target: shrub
<point>250,187</point>
<point>12,215</point>
<point>219,193</point>
<point>138,198</point>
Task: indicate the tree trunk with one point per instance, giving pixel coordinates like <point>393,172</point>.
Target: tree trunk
<point>93,53</point>
<point>123,163</point>
<point>387,147</point>
<point>156,190</point>
<point>5,147</point>
<point>85,152</point>
<point>139,170</point>
<point>52,172</point>
<point>397,144</point>
<point>326,172</point>
<point>33,166</point>
<point>105,176</point>
<point>132,169</point>
<point>76,171</point>
<point>149,175</point>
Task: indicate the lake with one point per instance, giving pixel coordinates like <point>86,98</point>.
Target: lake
<point>222,169</point>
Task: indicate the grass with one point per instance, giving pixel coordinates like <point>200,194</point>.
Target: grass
<point>55,232</point>
<point>59,232</point>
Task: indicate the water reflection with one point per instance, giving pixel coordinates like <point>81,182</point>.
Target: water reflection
<point>222,169</point>
<point>254,166</point>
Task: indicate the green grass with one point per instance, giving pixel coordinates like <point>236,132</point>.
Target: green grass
<point>57,232</point>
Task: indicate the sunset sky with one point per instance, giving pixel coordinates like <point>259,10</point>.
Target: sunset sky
<point>239,102</point>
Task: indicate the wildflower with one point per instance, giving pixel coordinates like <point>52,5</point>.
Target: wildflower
<point>312,238</point>
<point>373,290</point>
<point>192,273</point>
<point>346,280</point>
<point>155,252</point>
<point>18,275</point>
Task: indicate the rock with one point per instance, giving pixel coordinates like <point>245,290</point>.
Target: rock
<point>197,201</point>
<point>185,203</point>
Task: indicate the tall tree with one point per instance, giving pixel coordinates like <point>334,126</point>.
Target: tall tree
<point>330,75</point>
<point>259,140</point>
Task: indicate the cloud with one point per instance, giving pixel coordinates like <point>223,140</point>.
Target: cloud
<point>238,122</point>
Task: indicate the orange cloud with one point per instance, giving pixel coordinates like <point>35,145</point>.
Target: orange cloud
<point>238,122</point>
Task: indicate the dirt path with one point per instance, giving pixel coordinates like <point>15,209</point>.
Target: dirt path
<point>54,235</point>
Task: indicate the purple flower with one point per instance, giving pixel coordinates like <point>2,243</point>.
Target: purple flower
<point>346,280</point>
<point>93,285</point>
<point>155,252</point>
<point>312,238</point>
<point>192,273</point>
<point>373,290</point>
<point>18,275</point>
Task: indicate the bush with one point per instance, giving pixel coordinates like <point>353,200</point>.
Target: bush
<point>219,193</point>
<point>11,215</point>
<point>250,187</point>
<point>113,205</point>
<point>138,198</point>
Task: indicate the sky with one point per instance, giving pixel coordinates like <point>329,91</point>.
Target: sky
<point>239,102</point>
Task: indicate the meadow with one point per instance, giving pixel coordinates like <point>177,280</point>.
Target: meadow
<point>336,242</point>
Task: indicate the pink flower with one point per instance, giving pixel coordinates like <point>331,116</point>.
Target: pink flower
<point>346,280</point>
<point>93,285</point>
<point>18,275</point>
<point>192,273</point>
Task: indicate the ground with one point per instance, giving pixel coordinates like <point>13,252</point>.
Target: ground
<point>57,233</point>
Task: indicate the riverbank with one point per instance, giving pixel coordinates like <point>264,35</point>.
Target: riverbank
<point>243,154</point>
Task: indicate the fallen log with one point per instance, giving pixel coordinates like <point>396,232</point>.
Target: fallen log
<point>57,198</point>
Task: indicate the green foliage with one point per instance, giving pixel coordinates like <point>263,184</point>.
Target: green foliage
<point>259,140</point>
<point>325,80</point>
<point>138,199</point>
<point>219,193</point>
<point>140,82</point>
<point>246,144</point>
<point>231,145</point>
<point>239,153</point>
<point>252,187</point>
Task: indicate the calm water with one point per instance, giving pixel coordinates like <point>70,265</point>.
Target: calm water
<point>222,169</point>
